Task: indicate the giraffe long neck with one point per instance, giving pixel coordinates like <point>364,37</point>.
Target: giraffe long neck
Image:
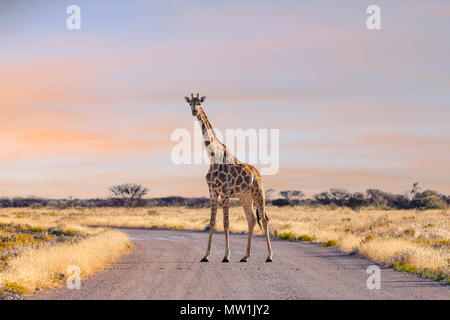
<point>207,131</point>
<point>217,151</point>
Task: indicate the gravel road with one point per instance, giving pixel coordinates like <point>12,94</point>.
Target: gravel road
<point>164,264</point>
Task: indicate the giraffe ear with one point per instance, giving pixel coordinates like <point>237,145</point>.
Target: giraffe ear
<point>202,99</point>
<point>187,99</point>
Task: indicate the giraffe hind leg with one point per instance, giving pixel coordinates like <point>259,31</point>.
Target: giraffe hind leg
<point>247,203</point>
<point>269,247</point>
<point>264,220</point>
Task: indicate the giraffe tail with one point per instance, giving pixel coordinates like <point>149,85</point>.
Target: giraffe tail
<point>258,219</point>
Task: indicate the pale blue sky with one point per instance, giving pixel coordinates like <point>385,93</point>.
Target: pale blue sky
<point>355,108</point>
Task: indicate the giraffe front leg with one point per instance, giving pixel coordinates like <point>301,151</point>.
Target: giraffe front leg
<point>212,226</point>
<point>226,226</point>
<point>251,227</point>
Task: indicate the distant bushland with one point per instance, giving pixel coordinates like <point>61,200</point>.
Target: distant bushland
<point>334,197</point>
<point>35,202</point>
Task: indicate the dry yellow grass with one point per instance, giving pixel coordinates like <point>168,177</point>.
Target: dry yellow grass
<point>44,267</point>
<point>417,238</point>
<point>391,251</point>
<point>40,262</point>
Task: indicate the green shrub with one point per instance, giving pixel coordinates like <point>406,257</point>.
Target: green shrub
<point>421,273</point>
<point>305,237</point>
<point>428,199</point>
<point>280,202</point>
<point>36,229</point>
<point>4,259</point>
<point>58,277</point>
<point>14,288</point>
<point>70,232</point>
<point>368,238</point>
<point>329,243</point>
<point>287,236</point>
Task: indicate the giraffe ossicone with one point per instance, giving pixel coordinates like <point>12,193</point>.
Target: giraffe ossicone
<point>228,178</point>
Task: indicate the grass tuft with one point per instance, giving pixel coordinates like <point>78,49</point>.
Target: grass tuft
<point>445,279</point>
<point>329,243</point>
<point>306,238</point>
<point>36,230</point>
<point>14,288</point>
<point>70,232</point>
<point>286,236</point>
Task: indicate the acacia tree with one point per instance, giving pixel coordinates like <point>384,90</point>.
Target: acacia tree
<point>293,196</point>
<point>323,198</point>
<point>356,201</point>
<point>415,190</point>
<point>339,196</point>
<point>128,194</point>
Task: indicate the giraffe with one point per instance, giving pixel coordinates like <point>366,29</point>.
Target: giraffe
<point>228,178</point>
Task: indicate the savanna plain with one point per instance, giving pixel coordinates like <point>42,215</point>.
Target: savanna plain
<point>39,244</point>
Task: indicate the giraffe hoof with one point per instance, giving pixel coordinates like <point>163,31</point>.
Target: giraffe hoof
<point>269,259</point>
<point>226,259</point>
<point>243,260</point>
<point>204,260</point>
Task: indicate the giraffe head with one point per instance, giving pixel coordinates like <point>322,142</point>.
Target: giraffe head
<point>195,103</point>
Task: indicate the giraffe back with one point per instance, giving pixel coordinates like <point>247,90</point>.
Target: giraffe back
<point>233,180</point>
